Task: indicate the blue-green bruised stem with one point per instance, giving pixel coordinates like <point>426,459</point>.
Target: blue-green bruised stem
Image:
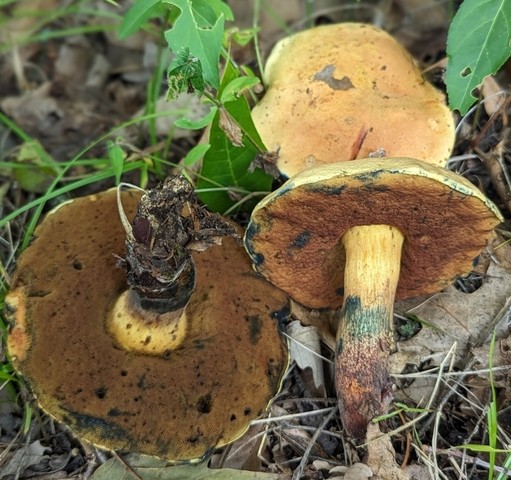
<point>365,336</point>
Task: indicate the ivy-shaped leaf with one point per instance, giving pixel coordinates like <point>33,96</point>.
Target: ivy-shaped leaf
<point>199,29</point>
<point>478,44</point>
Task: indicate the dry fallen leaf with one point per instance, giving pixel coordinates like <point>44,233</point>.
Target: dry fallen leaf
<point>358,471</point>
<point>494,95</point>
<point>24,458</point>
<point>502,252</point>
<point>454,318</point>
<point>381,457</point>
<point>305,350</point>
<point>243,454</point>
<point>231,129</point>
<point>185,105</point>
<point>139,467</point>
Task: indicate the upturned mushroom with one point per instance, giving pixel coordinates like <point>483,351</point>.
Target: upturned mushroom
<point>345,91</point>
<point>145,370</point>
<point>355,236</point>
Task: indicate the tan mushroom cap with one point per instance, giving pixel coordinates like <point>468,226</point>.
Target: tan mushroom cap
<point>294,234</point>
<point>331,85</point>
<point>178,406</point>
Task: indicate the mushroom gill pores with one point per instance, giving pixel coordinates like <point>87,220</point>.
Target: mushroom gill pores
<point>356,235</point>
<point>178,405</point>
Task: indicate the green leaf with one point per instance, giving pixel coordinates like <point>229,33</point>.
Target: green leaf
<point>185,75</point>
<point>478,44</point>
<point>199,28</point>
<point>226,165</point>
<point>197,124</point>
<point>195,154</point>
<point>137,15</point>
<point>210,10</point>
<point>34,171</point>
<point>242,37</point>
<point>482,448</point>
<point>234,89</point>
<point>116,155</point>
<point>137,467</point>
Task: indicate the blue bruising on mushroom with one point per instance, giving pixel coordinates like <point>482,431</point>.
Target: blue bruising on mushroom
<point>330,190</point>
<point>284,189</point>
<point>371,187</point>
<point>103,429</point>
<point>254,328</point>
<point>115,412</point>
<point>370,176</point>
<point>352,305</point>
<point>282,316</point>
<point>363,322</point>
<point>301,240</point>
<point>251,231</point>
<point>351,308</point>
<point>339,347</point>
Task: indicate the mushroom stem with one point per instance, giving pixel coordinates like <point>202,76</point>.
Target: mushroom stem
<point>365,335</point>
<point>137,329</point>
<point>170,223</point>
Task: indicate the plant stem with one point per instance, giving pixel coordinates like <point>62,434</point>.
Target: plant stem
<point>365,336</point>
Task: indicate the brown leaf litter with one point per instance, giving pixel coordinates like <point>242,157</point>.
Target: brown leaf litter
<point>67,92</point>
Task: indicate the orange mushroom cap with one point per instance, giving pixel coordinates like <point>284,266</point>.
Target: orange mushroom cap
<point>349,90</point>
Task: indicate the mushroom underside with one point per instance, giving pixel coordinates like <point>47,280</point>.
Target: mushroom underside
<point>445,221</point>
<point>178,406</point>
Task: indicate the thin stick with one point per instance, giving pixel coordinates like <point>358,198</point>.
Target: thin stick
<point>297,474</point>
<point>122,214</point>
<point>291,416</point>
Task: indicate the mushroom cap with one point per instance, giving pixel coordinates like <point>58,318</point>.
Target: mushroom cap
<point>294,234</point>
<point>178,406</point>
<point>349,90</point>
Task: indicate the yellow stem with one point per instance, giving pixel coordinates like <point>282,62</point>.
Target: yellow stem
<point>365,336</point>
<point>143,331</point>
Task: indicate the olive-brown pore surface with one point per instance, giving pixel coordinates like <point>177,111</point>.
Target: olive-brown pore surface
<point>179,406</point>
<point>300,231</point>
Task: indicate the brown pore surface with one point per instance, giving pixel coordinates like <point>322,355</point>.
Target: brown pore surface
<point>179,406</point>
<point>345,91</point>
<point>294,234</point>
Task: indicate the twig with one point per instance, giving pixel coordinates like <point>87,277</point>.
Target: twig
<point>445,399</point>
<point>126,465</point>
<point>297,474</point>
<point>291,416</point>
<point>406,455</point>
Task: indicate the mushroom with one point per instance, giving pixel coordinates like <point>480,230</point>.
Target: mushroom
<point>175,384</point>
<point>345,91</point>
<point>357,235</point>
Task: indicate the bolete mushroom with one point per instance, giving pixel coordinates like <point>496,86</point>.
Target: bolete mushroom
<point>182,381</point>
<point>357,235</point>
<point>345,91</point>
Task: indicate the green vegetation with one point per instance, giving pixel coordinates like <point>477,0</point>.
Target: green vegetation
<point>224,169</point>
<point>478,44</point>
